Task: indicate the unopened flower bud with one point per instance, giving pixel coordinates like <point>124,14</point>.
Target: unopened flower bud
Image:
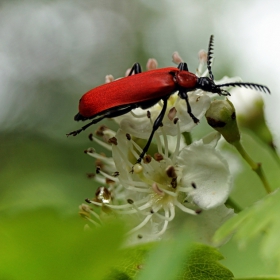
<point>176,58</point>
<point>109,79</point>
<point>221,116</point>
<point>151,64</point>
<point>202,56</point>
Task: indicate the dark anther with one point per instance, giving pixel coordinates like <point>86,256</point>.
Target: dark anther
<point>174,183</point>
<point>158,156</point>
<point>130,201</point>
<point>193,185</point>
<point>170,172</point>
<point>98,168</point>
<point>90,137</point>
<point>113,141</point>
<point>147,159</point>
<point>89,150</point>
<point>100,130</point>
<point>90,175</point>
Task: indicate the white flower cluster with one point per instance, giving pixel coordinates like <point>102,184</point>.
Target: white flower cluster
<point>179,178</point>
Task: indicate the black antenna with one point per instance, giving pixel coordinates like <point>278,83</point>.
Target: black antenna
<point>246,85</point>
<point>238,84</point>
<point>209,57</point>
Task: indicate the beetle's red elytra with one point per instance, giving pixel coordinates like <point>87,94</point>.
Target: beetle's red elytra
<point>110,96</point>
<point>145,89</point>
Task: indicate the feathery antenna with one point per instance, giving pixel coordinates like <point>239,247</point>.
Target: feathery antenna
<point>246,85</point>
<point>238,84</point>
<point>209,57</point>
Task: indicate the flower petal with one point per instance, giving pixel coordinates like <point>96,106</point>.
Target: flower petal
<point>207,175</point>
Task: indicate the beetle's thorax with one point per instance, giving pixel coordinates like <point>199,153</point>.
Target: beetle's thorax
<point>185,80</point>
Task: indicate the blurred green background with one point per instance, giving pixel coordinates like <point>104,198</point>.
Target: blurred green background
<point>51,52</point>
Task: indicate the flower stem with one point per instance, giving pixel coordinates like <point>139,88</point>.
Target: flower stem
<point>231,203</point>
<point>188,137</point>
<point>257,167</point>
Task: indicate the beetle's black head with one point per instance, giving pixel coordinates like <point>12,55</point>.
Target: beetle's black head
<point>208,84</point>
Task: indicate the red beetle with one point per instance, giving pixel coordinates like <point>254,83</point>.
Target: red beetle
<point>145,90</point>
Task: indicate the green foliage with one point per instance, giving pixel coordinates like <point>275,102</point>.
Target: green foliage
<point>42,245</point>
<point>260,278</point>
<point>130,263</point>
<point>260,219</point>
<point>179,259</point>
<point>202,263</point>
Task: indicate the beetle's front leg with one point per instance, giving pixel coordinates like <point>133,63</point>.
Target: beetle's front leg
<point>183,66</point>
<point>156,125</point>
<point>184,95</point>
<point>136,69</point>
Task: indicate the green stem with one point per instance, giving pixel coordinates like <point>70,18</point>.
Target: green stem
<point>257,167</point>
<point>188,137</point>
<point>233,205</point>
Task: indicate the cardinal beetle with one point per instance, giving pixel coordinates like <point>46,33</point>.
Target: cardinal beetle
<point>145,90</point>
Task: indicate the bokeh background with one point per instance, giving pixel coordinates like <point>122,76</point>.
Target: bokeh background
<point>51,52</point>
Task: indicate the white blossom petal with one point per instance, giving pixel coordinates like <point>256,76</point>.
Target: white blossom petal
<point>208,170</point>
<point>211,139</point>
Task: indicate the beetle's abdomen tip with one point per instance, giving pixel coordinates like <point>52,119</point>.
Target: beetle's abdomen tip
<point>79,117</point>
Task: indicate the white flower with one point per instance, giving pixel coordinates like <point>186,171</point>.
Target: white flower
<point>179,179</point>
<point>192,180</point>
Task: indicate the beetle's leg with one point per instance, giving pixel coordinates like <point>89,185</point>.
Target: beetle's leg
<point>184,95</point>
<point>183,66</point>
<point>110,114</point>
<point>156,125</point>
<point>136,69</point>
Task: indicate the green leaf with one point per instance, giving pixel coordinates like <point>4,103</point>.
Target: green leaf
<point>42,245</point>
<point>178,259</point>
<point>202,263</point>
<point>166,260</point>
<point>130,262</point>
<point>261,218</point>
<point>260,278</point>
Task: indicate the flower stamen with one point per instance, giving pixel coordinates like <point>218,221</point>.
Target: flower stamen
<point>185,209</point>
<point>178,142</point>
<point>145,221</point>
<point>102,144</point>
